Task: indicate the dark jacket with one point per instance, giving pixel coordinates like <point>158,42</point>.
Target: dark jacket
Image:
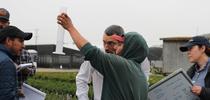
<point>123,80</point>
<point>8,81</point>
<point>205,92</point>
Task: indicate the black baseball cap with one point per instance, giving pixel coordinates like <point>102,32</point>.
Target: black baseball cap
<point>4,14</point>
<point>14,32</point>
<point>197,40</point>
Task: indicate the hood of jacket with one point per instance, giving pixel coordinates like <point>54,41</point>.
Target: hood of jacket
<point>135,47</point>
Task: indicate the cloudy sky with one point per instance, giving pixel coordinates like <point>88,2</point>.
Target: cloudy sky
<point>153,19</point>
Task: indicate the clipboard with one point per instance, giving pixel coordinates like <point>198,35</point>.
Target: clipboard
<point>176,86</point>
<point>23,66</point>
<point>32,93</point>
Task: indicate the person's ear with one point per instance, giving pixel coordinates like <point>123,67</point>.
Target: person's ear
<point>8,42</point>
<point>203,48</point>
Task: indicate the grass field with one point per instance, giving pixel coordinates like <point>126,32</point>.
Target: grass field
<point>61,85</point>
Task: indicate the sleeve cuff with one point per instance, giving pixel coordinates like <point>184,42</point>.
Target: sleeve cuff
<point>202,92</point>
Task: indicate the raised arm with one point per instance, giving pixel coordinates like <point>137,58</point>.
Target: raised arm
<point>65,21</point>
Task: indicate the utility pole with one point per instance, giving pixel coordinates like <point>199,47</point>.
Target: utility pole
<point>197,31</point>
<point>36,36</point>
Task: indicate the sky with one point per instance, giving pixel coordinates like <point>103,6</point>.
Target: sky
<point>153,19</point>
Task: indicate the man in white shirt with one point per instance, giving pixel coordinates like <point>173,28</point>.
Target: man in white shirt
<point>87,73</point>
<point>145,66</point>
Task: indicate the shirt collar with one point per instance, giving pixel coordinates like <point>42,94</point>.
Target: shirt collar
<point>205,67</point>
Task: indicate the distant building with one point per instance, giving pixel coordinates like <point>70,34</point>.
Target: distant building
<point>155,57</point>
<point>155,53</point>
<point>46,58</point>
<point>173,58</point>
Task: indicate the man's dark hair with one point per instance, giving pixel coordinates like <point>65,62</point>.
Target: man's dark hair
<point>114,29</point>
<point>207,49</point>
<point>4,39</point>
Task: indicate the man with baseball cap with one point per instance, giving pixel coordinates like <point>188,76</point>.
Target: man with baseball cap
<point>198,53</point>
<point>23,58</point>
<point>4,18</point>
<point>11,44</point>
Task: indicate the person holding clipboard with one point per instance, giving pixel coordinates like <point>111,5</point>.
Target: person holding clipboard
<point>198,51</point>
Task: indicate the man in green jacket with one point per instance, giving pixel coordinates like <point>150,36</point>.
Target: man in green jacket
<point>123,79</point>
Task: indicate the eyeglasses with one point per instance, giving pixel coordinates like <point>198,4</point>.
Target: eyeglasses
<point>110,43</point>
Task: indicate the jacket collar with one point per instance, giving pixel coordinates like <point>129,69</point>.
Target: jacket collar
<point>7,51</point>
<point>208,65</point>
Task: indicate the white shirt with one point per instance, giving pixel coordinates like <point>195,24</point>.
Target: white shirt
<point>85,75</point>
<point>88,73</point>
<point>145,66</point>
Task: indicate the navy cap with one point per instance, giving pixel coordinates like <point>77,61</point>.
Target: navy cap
<point>197,40</point>
<point>4,14</point>
<point>14,32</point>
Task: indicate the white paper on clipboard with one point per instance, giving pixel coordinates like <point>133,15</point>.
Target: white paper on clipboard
<point>23,66</point>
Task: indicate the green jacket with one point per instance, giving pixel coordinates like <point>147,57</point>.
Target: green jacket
<point>123,79</point>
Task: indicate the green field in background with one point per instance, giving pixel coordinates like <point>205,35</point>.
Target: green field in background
<point>61,85</point>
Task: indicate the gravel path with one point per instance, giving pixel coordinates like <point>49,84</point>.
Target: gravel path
<point>56,70</point>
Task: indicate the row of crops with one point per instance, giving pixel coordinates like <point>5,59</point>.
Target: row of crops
<point>57,85</point>
<point>62,86</point>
